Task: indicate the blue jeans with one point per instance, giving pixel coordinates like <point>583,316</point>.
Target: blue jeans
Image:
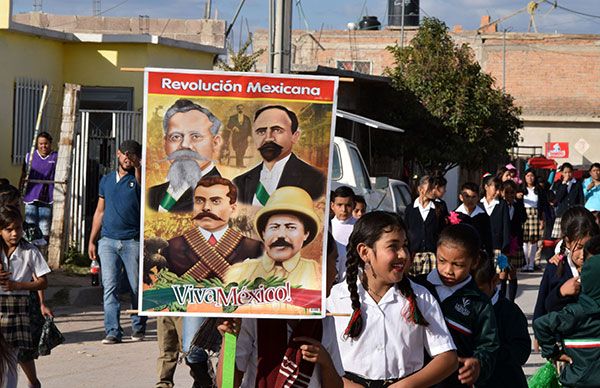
<point>190,327</point>
<point>39,214</point>
<point>116,255</point>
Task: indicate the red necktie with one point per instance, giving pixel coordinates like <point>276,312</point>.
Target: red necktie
<point>212,240</point>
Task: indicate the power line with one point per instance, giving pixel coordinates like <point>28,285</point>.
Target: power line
<point>554,4</point>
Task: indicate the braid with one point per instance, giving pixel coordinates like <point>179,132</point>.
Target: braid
<point>560,268</point>
<point>413,313</point>
<point>355,325</point>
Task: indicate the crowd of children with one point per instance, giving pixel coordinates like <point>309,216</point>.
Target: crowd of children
<point>428,299</point>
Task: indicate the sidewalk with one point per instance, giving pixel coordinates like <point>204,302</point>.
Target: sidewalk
<point>84,362</point>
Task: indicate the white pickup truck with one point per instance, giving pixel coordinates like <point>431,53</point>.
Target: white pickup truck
<point>348,169</point>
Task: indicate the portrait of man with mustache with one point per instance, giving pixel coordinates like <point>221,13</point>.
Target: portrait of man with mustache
<point>191,138</point>
<point>286,224</point>
<point>275,131</point>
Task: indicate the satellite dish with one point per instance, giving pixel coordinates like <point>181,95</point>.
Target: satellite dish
<point>351,26</point>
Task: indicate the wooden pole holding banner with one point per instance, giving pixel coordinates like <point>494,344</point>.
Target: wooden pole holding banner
<point>63,172</point>
<point>36,131</point>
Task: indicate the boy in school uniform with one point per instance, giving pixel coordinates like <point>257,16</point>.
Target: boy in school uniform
<point>513,334</point>
<point>342,224</point>
<point>472,214</point>
<point>577,327</point>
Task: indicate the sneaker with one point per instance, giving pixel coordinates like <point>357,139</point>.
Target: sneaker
<point>111,340</point>
<point>137,337</point>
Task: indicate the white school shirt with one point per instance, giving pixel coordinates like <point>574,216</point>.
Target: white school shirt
<point>489,207</point>
<point>24,262</point>
<point>389,346</point>
<point>246,356</point>
<point>341,231</point>
<point>270,178</point>
<point>530,199</point>
<point>424,210</point>
<point>462,209</point>
<point>443,290</point>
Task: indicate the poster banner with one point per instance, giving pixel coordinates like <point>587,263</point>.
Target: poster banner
<point>235,181</point>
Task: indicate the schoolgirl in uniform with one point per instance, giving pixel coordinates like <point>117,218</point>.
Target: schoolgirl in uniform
<point>516,256</point>
<point>560,283</point>
<point>23,269</point>
<point>467,311</point>
<point>474,215</point>
<point>390,319</point>
<point>536,205</point>
<point>497,209</point>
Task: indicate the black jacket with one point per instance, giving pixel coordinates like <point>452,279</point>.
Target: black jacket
<point>517,221</point>
<point>481,223</point>
<point>566,199</point>
<point>515,346</point>
<point>549,298</point>
<point>423,235</point>
<point>477,335</point>
<point>185,204</point>
<point>295,173</point>
<point>499,225</point>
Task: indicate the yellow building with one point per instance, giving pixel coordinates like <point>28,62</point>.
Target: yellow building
<point>31,56</point>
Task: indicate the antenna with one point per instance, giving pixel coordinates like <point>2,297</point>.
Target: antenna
<point>96,7</point>
<point>37,5</point>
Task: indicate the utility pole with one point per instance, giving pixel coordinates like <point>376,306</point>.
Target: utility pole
<point>96,8</point>
<point>402,25</point>
<point>207,9</point>
<point>283,37</point>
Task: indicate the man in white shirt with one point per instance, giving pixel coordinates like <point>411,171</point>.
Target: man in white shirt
<point>275,131</point>
<point>342,224</point>
<point>191,140</point>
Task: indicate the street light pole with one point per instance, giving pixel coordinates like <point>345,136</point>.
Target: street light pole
<point>283,37</point>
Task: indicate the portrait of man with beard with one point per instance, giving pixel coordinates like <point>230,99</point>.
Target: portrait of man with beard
<point>191,138</point>
<point>275,131</point>
<point>286,224</point>
<point>209,248</point>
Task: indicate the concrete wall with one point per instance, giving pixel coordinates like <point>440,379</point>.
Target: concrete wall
<point>24,56</point>
<point>210,32</point>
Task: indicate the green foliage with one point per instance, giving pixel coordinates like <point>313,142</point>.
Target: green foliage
<point>74,258</point>
<point>241,61</point>
<point>462,119</point>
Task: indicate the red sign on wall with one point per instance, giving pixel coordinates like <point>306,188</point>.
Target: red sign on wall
<point>557,150</point>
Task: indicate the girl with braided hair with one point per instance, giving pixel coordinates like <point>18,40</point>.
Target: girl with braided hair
<point>383,320</point>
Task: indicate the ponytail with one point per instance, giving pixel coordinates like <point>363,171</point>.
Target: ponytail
<point>560,268</point>
<point>367,230</point>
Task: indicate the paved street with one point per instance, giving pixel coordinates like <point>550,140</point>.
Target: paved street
<point>84,362</point>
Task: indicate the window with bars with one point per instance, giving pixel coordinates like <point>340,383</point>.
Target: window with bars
<point>358,66</point>
<point>27,100</point>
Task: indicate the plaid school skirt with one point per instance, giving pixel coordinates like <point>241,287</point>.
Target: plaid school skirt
<point>556,232</point>
<point>531,228</point>
<point>14,321</point>
<point>423,263</point>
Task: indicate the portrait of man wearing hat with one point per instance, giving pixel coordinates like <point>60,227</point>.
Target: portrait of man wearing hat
<point>209,248</point>
<point>286,224</point>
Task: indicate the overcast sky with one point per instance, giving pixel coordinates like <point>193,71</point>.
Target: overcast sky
<point>335,14</point>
